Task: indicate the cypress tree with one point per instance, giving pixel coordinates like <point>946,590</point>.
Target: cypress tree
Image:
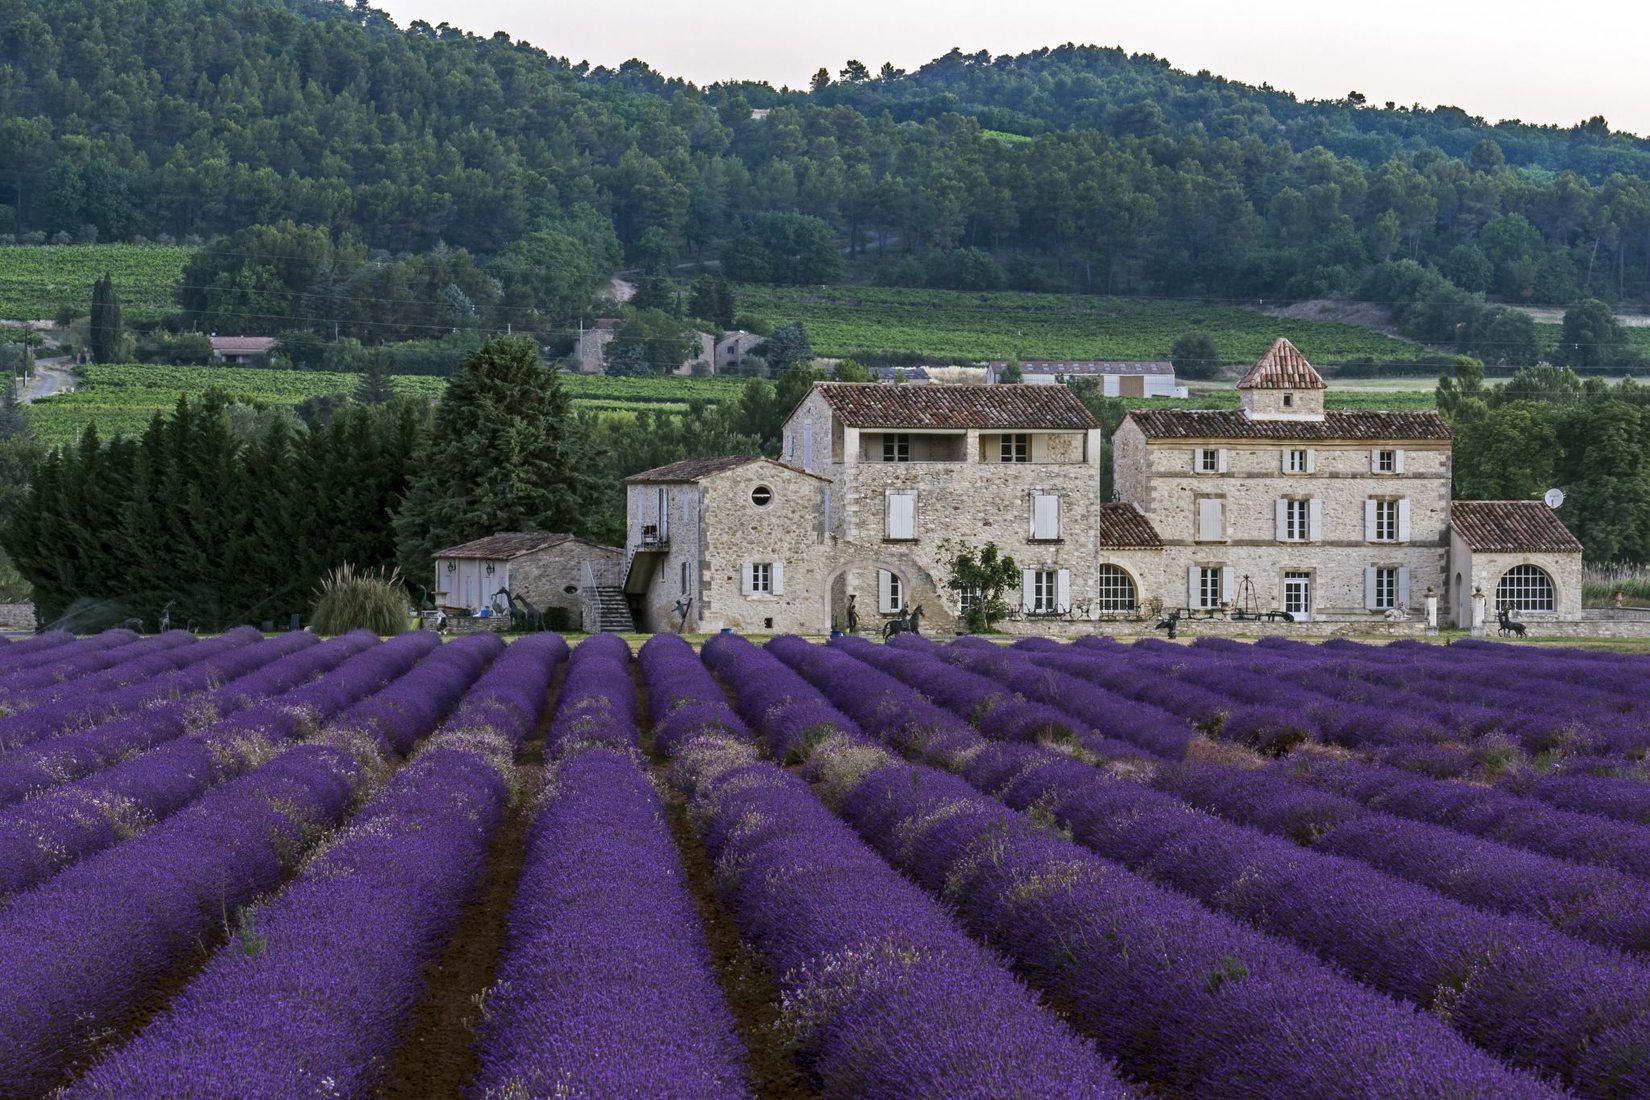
<point>375,387</point>
<point>506,454</point>
<point>105,321</point>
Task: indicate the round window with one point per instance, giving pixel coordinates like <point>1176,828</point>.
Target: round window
<point>571,589</point>
<point>761,495</point>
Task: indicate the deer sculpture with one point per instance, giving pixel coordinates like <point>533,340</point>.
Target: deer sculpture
<point>1507,626</point>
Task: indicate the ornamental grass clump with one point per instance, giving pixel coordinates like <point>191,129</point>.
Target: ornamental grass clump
<point>366,600</point>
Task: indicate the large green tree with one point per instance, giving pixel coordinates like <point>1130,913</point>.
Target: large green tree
<point>505,454</point>
<point>1592,337</point>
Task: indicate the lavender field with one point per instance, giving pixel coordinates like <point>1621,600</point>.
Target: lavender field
<point>295,867</point>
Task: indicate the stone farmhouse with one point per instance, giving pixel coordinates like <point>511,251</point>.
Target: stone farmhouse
<point>1338,517</point>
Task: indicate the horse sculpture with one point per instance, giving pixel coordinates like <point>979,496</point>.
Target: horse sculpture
<point>908,623</point>
<point>1503,616</point>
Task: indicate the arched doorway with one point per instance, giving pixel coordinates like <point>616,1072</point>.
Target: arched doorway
<point>1463,613</point>
<point>874,584</point>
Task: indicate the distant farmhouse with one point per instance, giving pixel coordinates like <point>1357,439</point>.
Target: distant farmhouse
<point>1117,379</point>
<point>242,350</point>
<point>710,354</point>
<point>1336,518</point>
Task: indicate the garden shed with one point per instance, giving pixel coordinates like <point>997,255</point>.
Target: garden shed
<point>548,570</point>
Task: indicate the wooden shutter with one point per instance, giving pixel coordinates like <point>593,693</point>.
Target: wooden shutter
<point>1045,516</point>
<point>1403,586</point>
<point>1398,460</point>
<point>664,516</point>
<point>1314,519</point>
<point>1193,574</point>
<point>1369,520</point>
<point>1282,514</point>
<point>1208,518</point>
<point>1369,587</point>
<point>1220,460</point>
<point>1062,590</point>
<point>1227,593</point>
<point>747,578</point>
<point>1403,521</point>
<point>1311,461</point>
<point>1028,589</point>
<point>885,591</point>
<point>777,577</point>
<point>1285,453</point>
<point>902,514</point>
<point>1197,460</point>
<point>1375,460</point>
<point>807,445</point>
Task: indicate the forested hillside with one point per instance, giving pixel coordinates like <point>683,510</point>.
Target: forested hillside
<point>174,119</point>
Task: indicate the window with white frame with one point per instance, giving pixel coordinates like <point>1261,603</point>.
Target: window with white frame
<point>1045,516</point>
<point>1386,460</point>
<point>1016,448</point>
<point>1298,461</point>
<point>762,577</point>
<point>1209,591</point>
<point>969,599</point>
<point>1386,587</point>
<point>1385,527</point>
<point>1525,588</point>
<point>1297,520</point>
<point>1116,589</point>
<point>1208,460</point>
<point>1045,592</point>
<point>890,592</point>
<point>896,447</point>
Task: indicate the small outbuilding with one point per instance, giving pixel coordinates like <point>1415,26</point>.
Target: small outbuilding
<point>557,574</point>
<point>1519,556</point>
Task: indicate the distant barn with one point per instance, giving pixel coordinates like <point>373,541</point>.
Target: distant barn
<point>1117,378</point>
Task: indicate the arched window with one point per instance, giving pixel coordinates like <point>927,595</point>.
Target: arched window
<point>1116,589</point>
<point>1525,588</point>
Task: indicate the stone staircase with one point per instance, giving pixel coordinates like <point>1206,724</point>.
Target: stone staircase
<point>613,612</point>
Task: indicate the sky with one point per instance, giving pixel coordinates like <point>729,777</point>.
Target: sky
<point>1506,59</point>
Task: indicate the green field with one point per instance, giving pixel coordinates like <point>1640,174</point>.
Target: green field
<point>124,398</point>
<point>963,327</point>
<point>37,280</point>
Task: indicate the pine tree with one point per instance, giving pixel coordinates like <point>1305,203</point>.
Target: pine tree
<point>105,321</point>
<point>375,386</point>
<point>14,422</point>
<point>506,454</point>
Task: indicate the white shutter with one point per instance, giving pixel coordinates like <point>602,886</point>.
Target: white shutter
<point>664,516</point>
<point>1314,519</point>
<point>1045,516</point>
<point>1282,511</point>
<point>1192,576</point>
<point>885,591</point>
<point>747,579</point>
<point>1403,521</point>
<point>1284,454</point>
<point>1226,585</point>
<point>902,514</point>
<point>1398,460</point>
<point>1220,460</point>
<point>1311,462</point>
<point>1369,520</point>
<point>1208,518</point>
<point>1369,587</point>
<point>1375,460</point>
<point>1028,589</point>
<point>1197,460</point>
<point>1031,523</point>
<point>1062,590</point>
<point>1403,586</point>
<point>807,445</point>
<point>778,576</point>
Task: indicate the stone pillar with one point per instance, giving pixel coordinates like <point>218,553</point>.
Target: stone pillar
<point>1432,612</point>
<point>1478,602</point>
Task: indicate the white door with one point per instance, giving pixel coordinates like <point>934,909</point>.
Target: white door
<point>1297,596</point>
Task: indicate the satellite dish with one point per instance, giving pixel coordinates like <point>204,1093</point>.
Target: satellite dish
<point>1554,498</point>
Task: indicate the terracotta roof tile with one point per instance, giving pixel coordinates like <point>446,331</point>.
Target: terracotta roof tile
<point>1511,526</point>
<point>1335,425</point>
<point>875,405</point>
<point>1283,367</point>
<point>504,545</point>
<point>1125,527</point>
<point>695,469</point>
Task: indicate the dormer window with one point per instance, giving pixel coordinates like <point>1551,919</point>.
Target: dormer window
<point>1288,400</point>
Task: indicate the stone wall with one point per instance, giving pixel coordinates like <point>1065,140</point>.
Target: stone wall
<point>544,576</point>
<point>17,616</point>
<point>1483,570</point>
<point>786,531</point>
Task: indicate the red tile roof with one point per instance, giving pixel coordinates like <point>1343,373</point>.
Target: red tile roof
<point>505,545</point>
<point>1335,425</point>
<point>1125,527</point>
<point>1510,526</point>
<point>696,469</point>
<point>1283,367</point>
<point>877,405</point>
